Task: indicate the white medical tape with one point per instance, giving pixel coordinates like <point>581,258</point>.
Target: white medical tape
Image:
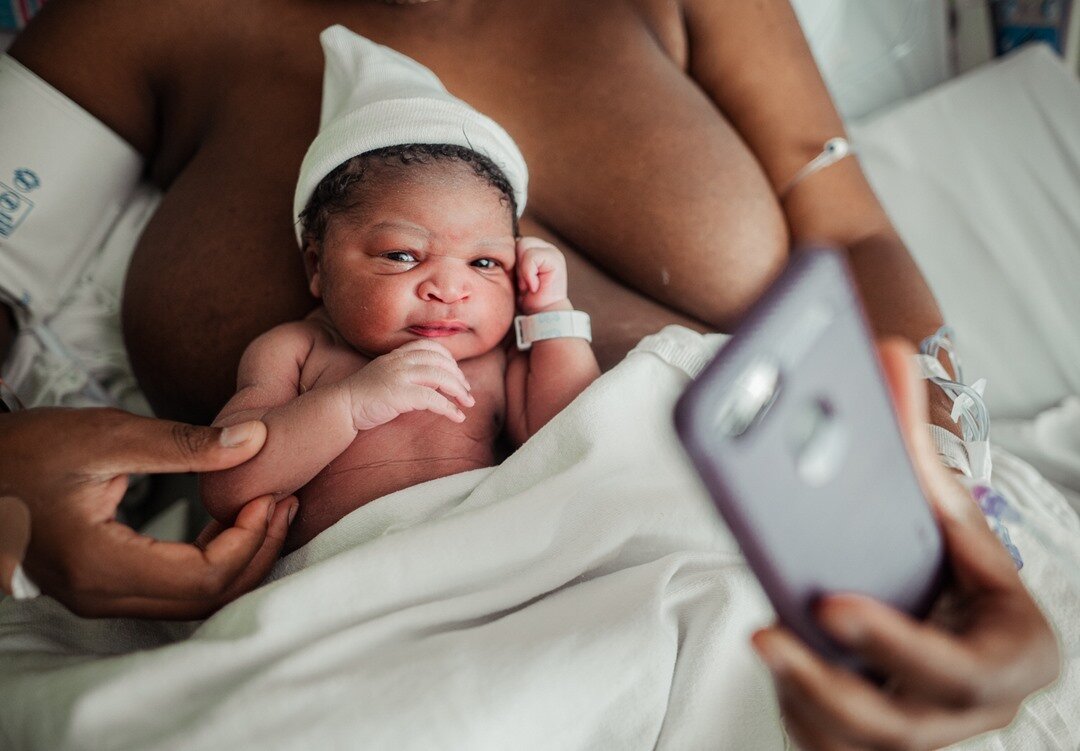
<point>930,367</point>
<point>950,449</point>
<point>64,179</point>
<point>834,150</point>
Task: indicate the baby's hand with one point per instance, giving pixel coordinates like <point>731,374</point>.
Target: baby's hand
<point>420,375</point>
<point>541,273</point>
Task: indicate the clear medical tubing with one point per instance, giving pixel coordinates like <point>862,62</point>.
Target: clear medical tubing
<point>1002,516</point>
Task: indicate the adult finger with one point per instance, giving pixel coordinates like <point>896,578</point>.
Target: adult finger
<point>14,538</point>
<point>843,703</point>
<point>801,728</point>
<point>813,731</point>
<point>113,560</point>
<point>940,666</point>
<point>261,563</point>
<point>846,706</point>
<point>91,605</point>
<point>146,445</point>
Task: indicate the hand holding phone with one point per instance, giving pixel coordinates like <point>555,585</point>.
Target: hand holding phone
<point>960,672</point>
<point>794,435</point>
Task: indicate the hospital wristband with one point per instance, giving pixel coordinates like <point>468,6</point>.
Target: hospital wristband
<point>555,324</point>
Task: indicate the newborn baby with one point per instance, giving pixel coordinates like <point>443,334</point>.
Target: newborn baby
<point>403,373</point>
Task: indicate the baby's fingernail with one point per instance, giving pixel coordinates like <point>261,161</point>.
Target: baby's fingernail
<point>292,511</point>
<point>235,435</point>
<point>270,511</point>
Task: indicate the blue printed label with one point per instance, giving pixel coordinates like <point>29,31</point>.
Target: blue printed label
<point>26,180</point>
<point>13,209</point>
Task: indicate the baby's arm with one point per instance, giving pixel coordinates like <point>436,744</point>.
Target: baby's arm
<point>305,432</point>
<point>550,375</point>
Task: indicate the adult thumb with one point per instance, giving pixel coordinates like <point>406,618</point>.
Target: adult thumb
<point>148,445</point>
<point>14,538</point>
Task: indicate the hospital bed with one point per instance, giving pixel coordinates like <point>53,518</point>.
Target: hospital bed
<point>583,594</point>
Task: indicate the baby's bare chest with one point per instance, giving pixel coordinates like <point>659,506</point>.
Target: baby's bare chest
<point>416,446</point>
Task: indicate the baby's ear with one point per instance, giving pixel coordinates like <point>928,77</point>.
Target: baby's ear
<point>313,266</point>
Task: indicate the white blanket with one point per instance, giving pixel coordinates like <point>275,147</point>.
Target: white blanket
<point>581,595</point>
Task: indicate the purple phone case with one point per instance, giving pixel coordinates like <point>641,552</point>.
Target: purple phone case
<point>818,490</point>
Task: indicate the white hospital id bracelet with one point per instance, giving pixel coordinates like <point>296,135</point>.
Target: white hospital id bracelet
<point>555,324</point>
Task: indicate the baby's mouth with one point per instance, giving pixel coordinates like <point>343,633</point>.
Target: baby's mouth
<point>435,329</point>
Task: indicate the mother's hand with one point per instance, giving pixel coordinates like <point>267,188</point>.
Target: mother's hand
<point>70,469</point>
<point>944,683</point>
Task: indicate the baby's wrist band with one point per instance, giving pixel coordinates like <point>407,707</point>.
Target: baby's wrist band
<point>555,324</point>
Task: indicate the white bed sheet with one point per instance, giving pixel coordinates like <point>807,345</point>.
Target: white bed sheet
<point>582,595</point>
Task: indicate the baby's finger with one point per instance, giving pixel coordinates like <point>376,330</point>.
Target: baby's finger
<point>525,244</point>
<point>422,398</point>
<point>425,344</point>
<point>531,273</point>
<point>433,359</point>
<point>447,382</point>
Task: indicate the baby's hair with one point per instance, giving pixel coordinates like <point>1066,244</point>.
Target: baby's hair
<point>335,192</point>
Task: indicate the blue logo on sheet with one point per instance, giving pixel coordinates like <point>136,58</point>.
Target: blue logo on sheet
<point>26,180</point>
<point>14,205</point>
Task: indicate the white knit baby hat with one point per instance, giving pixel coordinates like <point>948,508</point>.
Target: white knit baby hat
<point>374,97</point>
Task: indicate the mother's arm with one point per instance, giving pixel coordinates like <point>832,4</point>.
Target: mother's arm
<point>753,61</point>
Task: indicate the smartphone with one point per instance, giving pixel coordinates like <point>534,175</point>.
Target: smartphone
<point>794,435</point>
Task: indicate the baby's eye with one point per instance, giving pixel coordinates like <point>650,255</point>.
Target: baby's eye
<point>402,256</point>
<point>486,263</point>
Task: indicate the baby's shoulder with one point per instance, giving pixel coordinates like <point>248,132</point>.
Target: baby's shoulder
<point>288,337</point>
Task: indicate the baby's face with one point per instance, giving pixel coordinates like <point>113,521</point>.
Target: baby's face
<point>429,255</point>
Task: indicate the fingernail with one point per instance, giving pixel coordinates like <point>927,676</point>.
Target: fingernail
<point>292,512</point>
<point>769,654</point>
<point>840,625</point>
<point>270,511</point>
<point>235,435</point>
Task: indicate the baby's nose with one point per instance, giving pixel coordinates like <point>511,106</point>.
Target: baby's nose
<point>444,286</point>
